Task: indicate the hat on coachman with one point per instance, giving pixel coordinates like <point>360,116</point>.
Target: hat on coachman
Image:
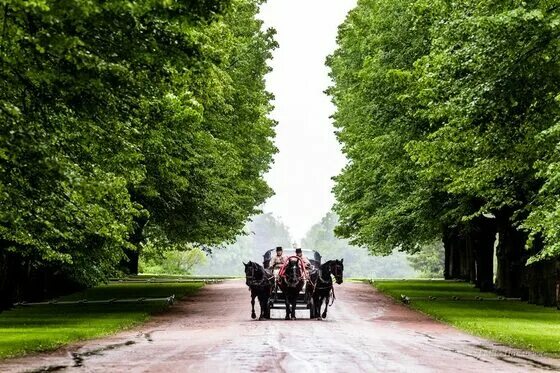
<point>278,248</point>
<point>298,251</point>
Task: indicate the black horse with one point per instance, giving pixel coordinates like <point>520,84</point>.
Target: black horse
<point>320,286</point>
<point>291,280</point>
<point>260,282</point>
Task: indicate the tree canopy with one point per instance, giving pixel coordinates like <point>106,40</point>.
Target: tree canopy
<point>124,119</point>
<point>446,112</point>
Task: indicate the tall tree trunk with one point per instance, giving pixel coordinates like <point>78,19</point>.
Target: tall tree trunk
<point>448,250</point>
<point>11,276</point>
<point>466,264</point>
<point>510,256</point>
<point>454,244</point>
<point>6,285</point>
<point>558,285</point>
<point>541,278</point>
<point>133,256</point>
<point>455,255</point>
<point>483,236</point>
<point>542,282</point>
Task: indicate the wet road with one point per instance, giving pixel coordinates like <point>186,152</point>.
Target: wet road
<point>212,332</point>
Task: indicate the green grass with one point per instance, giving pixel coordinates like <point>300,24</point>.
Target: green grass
<point>46,327</point>
<point>514,323</point>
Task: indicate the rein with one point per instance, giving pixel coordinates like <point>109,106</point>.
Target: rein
<point>282,272</point>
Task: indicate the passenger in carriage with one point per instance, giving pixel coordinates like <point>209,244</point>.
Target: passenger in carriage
<point>306,263</point>
<point>277,261</point>
<point>304,259</point>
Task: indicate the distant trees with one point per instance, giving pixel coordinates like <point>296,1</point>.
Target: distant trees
<point>263,233</point>
<point>124,120</point>
<point>448,114</point>
<point>357,262</point>
<point>429,261</point>
<point>170,262</point>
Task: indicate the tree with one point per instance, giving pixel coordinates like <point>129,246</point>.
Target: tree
<point>490,82</point>
<point>381,203</point>
<point>447,113</point>
<point>124,120</point>
<point>430,261</point>
<point>176,261</point>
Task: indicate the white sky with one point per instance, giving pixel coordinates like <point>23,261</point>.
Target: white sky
<point>309,154</point>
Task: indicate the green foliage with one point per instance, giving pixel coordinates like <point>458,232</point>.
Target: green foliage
<point>23,329</point>
<point>490,82</point>
<point>357,261</point>
<point>429,261</point>
<point>513,323</point>
<point>446,112</point>
<point>171,262</point>
<point>380,201</point>
<point>117,113</point>
<point>263,233</point>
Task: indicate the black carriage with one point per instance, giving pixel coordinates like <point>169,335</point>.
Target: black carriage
<point>277,298</point>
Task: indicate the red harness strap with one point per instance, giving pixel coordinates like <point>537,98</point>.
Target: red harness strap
<point>285,265</point>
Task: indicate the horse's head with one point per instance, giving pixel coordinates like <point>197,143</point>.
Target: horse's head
<point>252,273</point>
<point>337,270</point>
<point>293,272</point>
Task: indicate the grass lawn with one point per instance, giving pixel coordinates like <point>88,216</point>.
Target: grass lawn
<point>46,327</point>
<point>514,323</point>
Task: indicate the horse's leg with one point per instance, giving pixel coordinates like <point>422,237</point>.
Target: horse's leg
<point>292,310</point>
<point>262,304</point>
<point>294,301</point>
<point>327,298</point>
<point>267,309</point>
<point>317,304</point>
<point>253,314</point>
<point>287,303</point>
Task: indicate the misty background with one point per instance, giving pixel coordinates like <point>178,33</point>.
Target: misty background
<point>265,232</point>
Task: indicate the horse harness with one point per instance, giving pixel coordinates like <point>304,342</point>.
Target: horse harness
<point>323,281</point>
<point>258,283</point>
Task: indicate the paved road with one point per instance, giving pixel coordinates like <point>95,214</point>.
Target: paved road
<point>212,332</point>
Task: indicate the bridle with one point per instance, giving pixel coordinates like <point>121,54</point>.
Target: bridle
<point>293,278</point>
<point>337,272</point>
<point>252,280</point>
<point>326,271</point>
<point>331,268</point>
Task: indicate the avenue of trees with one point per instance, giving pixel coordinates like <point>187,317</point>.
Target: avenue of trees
<point>449,115</point>
<point>126,121</point>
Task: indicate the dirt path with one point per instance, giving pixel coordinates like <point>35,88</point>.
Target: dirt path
<point>212,332</point>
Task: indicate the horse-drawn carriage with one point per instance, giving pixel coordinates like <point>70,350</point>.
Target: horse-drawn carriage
<point>294,286</point>
<point>277,297</point>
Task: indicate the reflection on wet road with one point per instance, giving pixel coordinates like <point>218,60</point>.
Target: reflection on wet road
<point>213,332</point>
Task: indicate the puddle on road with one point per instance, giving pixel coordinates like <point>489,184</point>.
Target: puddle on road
<point>79,357</point>
<point>52,368</point>
<point>510,357</point>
